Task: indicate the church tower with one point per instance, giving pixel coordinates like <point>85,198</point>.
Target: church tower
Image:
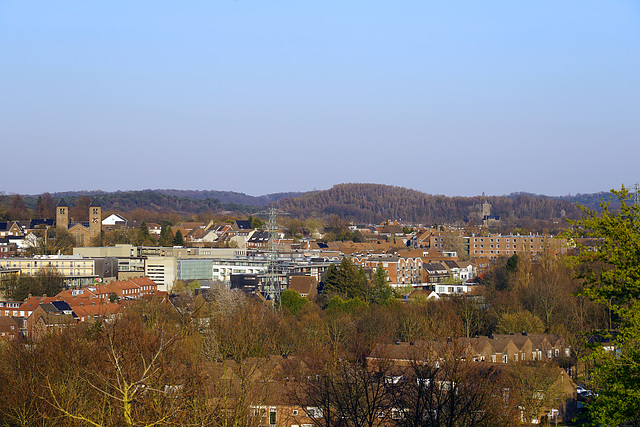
<point>95,220</point>
<point>62,215</point>
<point>486,209</point>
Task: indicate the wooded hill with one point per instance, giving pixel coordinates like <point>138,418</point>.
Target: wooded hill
<point>373,203</point>
<point>361,203</point>
<point>183,202</point>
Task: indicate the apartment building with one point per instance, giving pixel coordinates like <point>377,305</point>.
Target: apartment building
<point>77,270</point>
<point>496,245</point>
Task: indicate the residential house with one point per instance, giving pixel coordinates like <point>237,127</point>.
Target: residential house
<point>306,286</point>
<point>49,317</point>
<point>114,222</point>
<point>400,271</point>
<point>10,308</point>
<point>9,328</point>
<point>258,240</point>
<point>11,228</point>
<point>7,248</point>
<point>154,228</point>
<point>433,273</point>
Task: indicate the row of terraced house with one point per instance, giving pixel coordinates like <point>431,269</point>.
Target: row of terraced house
<point>38,315</point>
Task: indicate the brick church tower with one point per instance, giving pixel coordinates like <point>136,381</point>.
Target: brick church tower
<point>95,220</point>
<point>62,215</point>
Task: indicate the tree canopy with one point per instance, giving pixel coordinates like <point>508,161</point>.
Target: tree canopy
<point>611,274</point>
<point>346,280</point>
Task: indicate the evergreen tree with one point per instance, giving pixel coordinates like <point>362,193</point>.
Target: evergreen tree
<point>293,301</point>
<point>346,280</point>
<point>143,237</point>
<point>380,289</point>
<point>165,234</point>
<point>178,240</point>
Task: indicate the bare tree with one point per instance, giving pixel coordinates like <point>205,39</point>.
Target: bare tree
<point>534,386</point>
<point>137,370</point>
<point>441,387</point>
<point>348,393</point>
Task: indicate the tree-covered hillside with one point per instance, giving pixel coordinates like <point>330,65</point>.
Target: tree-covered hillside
<point>363,203</point>
<point>371,203</point>
<point>128,201</point>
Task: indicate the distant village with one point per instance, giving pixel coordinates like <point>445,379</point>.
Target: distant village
<point>433,260</point>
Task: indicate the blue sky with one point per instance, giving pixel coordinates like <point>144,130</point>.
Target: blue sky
<point>454,98</point>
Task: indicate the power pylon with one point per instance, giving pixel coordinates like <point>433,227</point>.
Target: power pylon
<point>636,194</point>
<point>271,286</point>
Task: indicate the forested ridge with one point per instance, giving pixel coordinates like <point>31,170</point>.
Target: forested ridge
<point>372,203</point>
<point>364,203</point>
<point>129,201</point>
<point>167,200</point>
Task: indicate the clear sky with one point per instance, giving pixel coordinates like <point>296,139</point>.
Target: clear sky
<point>445,97</point>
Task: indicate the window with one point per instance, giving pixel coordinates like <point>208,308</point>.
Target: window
<point>397,414</point>
<point>314,412</point>
<point>272,416</point>
<point>505,358</point>
<point>295,412</point>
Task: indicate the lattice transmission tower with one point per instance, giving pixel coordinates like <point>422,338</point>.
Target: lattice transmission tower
<point>271,286</point>
<point>635,190</point>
